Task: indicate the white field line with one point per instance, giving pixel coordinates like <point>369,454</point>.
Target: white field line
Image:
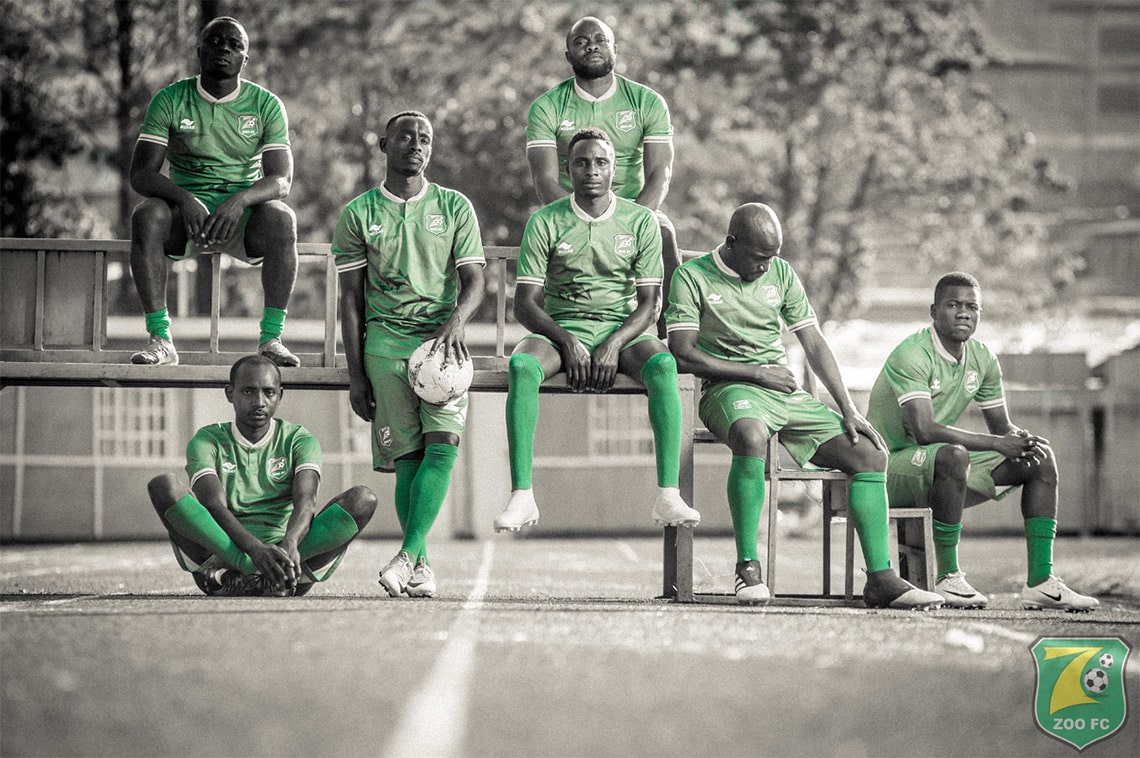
<point>1000,631</point>
<point>434,721</point>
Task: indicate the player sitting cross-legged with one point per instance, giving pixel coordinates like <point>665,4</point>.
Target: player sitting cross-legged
<point>924,387</point>
<point>250,524</point>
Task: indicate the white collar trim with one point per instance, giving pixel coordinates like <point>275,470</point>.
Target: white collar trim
<point>260,443</point>
<point>724,267</point>
<point>590,98</point>
<point>941,349</point>
<point>397,199</point>
<point>210,98</point>
<point>606,214</point>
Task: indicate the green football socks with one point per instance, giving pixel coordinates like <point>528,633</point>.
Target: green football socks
<point>158,323</point>
<point>1039,535</point>
<point>867,507</point>
<point>659,375</point>
<point>525,374</point>
<point>946,537</point>
<point>192,520</point>
<point>272,324</point>
<point>332,528</point>
<point>745,502</point>
<point>406,469</point>
<point>428,491</point>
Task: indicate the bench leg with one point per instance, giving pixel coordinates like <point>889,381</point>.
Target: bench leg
<point>916,550</point>
<point>677,564</point>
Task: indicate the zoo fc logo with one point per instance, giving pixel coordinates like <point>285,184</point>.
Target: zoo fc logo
<point>1080,695</point>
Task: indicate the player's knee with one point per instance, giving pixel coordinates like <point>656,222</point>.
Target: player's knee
<point>524,369</point>
<point>164,491</point>
<point>952,461</point>
<point>273,220</point>
<point>748,439</point>
<point>360,503</point>
<point>151,219</point>
<point>868,458</point>
<point>1047,468</point>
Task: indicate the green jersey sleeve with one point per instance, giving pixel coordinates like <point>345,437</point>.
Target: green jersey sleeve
<point>991,392</point>
<point>648,268</point>
<point>467,246</point>
<point>348,248</point>
<point>534,251</point>
<point>201,455</point>
<point>275,129</point>
<point>684,309</point>
<point>159,119</point>
<point>306,451</point>
<point>908,372</point>
<point>542,124</point>
<point>796,311</point>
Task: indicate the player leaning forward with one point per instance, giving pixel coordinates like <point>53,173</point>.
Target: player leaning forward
<point>724,316</point>
<point>589,278</point>
<point>925,385</point>
<point>249,524</point>
<point>227,141</point>
<point>410,261</point>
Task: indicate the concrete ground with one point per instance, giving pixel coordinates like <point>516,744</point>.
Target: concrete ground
<point>533,647</point>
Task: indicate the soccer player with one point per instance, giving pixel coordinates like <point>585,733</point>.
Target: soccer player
<point>250,524</point>
<point>635,117</point>
<point>583,263</point>
<point>227,141</point>
<point>725,311</point>
<point>924,387</point>
<point>410,261</point>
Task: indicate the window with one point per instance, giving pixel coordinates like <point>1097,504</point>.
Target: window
<point>1120,41</point>
<point>1118,99</point>
<point>619,426</point>
<point>136,422</point>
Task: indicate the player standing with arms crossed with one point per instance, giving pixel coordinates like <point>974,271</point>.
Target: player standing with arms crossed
<point>410,262</point>
<point>725,311</point>
<point>250,525</point>
<point>635,117</point>
<point>584,261</point>
<point>231,168</point>
<point>923,389</point>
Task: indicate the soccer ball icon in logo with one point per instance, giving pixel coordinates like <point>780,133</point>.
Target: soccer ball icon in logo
<point>432,380</point>
<point>1096,681</point>
<point>1106,661</point>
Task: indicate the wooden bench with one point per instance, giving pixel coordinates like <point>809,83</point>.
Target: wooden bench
<point>53,332</point>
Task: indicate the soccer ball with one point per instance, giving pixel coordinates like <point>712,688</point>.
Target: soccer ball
<point>1106,660</point>
<point>434,382</point>
<point>1096,681</point>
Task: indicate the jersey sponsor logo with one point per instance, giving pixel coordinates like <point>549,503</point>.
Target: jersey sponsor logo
<point>384,436</point>
<point>566,126</point>
<point>936,385</point>
<point>564,248</point>
<point>229,467</point>
<point>626,121</point>
<point>715,298</point>
<point>249,125</point>
<point>972,381</point>
<point>623,245</point>
<point>375,229</point>
<point>918,458</point>
<point>186,125</point>
<point>741,405</point>
<point>435,223</point>
<point>771,294</point>
<point>277,468</point>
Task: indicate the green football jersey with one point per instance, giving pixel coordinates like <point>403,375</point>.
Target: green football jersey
<point>630,113</point>
<point>921,367</point>
<point>738,320</point>
<point>412,249</point>
<point>257,477</point>
<point>215,145</point>
<point>590,268</point>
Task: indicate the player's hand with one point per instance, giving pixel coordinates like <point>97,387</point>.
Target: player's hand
<point>223,222</point>
<point>361,400</point>
<point>604,366</point>
<point>576,363</point>
<point>449,338</point>
<point>293,566</point>
<point>776,377</point>
<point>270,561</point>
<point>855,425</point>
<point>194,214</point>
<point>1023,447</point>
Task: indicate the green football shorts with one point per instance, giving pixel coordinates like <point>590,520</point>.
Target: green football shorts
<point>803,422</point>
<point>235,247</point>
<point>592,333</point>
<point>910,474</point>
<point>401,419</point>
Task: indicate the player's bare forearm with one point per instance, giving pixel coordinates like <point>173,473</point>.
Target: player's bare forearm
<point>658,173</point>
<point>822,362</point>
<point>543,163</point>
<point>692,360</point>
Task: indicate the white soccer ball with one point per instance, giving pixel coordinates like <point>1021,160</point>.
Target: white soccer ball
<point>1096,681</point>
<point>1106,660</point>
<point>434,382</point>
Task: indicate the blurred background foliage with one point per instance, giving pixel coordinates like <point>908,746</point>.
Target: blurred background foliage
<point>858,120</point>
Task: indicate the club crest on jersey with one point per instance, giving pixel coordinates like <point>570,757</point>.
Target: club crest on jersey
<point>741,405</point>
<point>623,245</point>
<point>384,436</point>
<point>918,458</point>
<point>626,121</point>
<point>229,467</point>
<point>277,468</point>
<point>972,382</point>
<point>249,125</point>
<point>435,223</point>
<point>771,294</point>
<point>186,125</point>
<point>1080,696</point>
